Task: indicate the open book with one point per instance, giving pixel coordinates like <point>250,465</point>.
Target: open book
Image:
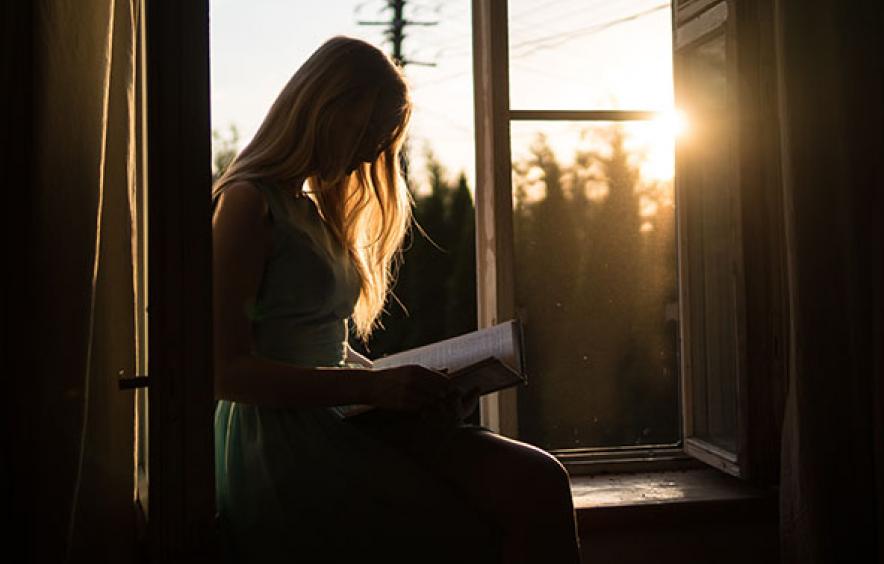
<point>486,360</point>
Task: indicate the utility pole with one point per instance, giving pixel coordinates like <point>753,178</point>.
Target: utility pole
<point>395,32</point>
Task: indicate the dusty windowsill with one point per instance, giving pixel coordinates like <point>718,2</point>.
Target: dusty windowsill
<point>603,500</point>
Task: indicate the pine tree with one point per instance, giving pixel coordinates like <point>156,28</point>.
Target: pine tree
<point>592,288</point>
<point>461,286</point>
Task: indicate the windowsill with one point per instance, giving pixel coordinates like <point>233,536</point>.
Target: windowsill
<point>602,500</point>
<point>696,515</point>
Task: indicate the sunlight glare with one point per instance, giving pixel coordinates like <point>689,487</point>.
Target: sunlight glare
<point>665,128</point>
<point>673,122</point>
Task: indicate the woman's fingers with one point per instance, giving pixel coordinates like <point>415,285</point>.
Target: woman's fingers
<point>410,388</point>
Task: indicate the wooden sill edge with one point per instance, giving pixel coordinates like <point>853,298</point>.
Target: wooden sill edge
<point>605,499</point>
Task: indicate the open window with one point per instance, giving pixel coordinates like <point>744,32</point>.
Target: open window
<point>709,239</point>
<point>731,250</point>
<point>636,292</point>
<point>577,225</point>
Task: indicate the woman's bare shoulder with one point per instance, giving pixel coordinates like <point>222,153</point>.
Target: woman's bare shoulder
<point>242,199</point>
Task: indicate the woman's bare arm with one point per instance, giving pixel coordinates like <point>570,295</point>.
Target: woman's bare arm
<point>241,238</point>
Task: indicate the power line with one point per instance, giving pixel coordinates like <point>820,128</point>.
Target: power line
<point>454,46</point>
<point>585,7</point>
<point>554,40</point>
<point>441,79</point>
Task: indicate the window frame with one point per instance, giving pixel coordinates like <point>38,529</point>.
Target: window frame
<point>704,21</point>
<point>761,298</point>
<point>760,270</point>
<point>494,230</point>
<point>177,134</point>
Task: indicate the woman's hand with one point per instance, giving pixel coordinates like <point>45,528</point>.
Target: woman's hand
<point>453,409</point>
<point>408,388</point>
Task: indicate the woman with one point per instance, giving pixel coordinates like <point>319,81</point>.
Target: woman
<point>308,219</point>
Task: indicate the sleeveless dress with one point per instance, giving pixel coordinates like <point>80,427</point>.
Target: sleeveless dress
<point>307,485</point>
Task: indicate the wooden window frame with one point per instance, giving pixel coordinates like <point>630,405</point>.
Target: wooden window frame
<point>759,247</point>
<point>706,20</point>
<point>181,490</point>
<point>494,229</point>
<point>761,301</point>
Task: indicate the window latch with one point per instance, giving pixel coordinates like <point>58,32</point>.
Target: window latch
<point>133,382</point>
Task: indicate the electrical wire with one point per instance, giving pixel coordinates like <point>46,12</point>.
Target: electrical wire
<point>585,7</point>
<point>550,41</point>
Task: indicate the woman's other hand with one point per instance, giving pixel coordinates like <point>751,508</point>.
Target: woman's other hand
<point>408,388</point>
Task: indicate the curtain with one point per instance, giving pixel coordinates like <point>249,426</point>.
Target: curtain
<point>831,102</point>
<point>73,429</point>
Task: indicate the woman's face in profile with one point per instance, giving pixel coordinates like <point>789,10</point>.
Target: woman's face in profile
<point>373,138</point>
<point>369,145</point>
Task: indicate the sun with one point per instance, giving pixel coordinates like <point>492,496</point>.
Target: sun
<point>672,122</point>
<point>660,138</point>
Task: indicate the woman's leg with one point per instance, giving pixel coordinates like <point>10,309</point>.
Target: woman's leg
<point>521,488</point>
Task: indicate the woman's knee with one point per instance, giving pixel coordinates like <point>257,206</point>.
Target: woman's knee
<point>543,474</point>
<point>529,471</point>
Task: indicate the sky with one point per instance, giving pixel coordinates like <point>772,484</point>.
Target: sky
<point>564,54</point>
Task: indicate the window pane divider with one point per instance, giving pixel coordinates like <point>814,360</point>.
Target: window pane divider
<point>582,115</point>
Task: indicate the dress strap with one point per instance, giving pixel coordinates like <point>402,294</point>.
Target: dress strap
<point>273,196</point>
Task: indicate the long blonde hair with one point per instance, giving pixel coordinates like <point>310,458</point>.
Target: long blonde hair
<point>367,208</point>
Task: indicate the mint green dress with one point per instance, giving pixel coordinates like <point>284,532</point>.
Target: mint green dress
<point>306,485</point>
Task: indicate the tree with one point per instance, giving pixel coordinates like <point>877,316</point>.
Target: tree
<point>225,149</point>
<point>462,308</point>
<point>592,287</point>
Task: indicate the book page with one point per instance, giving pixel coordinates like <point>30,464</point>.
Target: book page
<point>487,360</point>
<point>502,341</point>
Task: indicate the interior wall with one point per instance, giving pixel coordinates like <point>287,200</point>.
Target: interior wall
<point>67,333</point>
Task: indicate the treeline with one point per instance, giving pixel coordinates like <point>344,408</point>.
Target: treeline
<point>596,290</point>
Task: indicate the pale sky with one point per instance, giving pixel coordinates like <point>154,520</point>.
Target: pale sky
<point>564,54</point>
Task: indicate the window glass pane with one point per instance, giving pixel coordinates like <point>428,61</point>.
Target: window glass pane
<point>590,54</point>
<point>595,272</point>
<point>708,196</point>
